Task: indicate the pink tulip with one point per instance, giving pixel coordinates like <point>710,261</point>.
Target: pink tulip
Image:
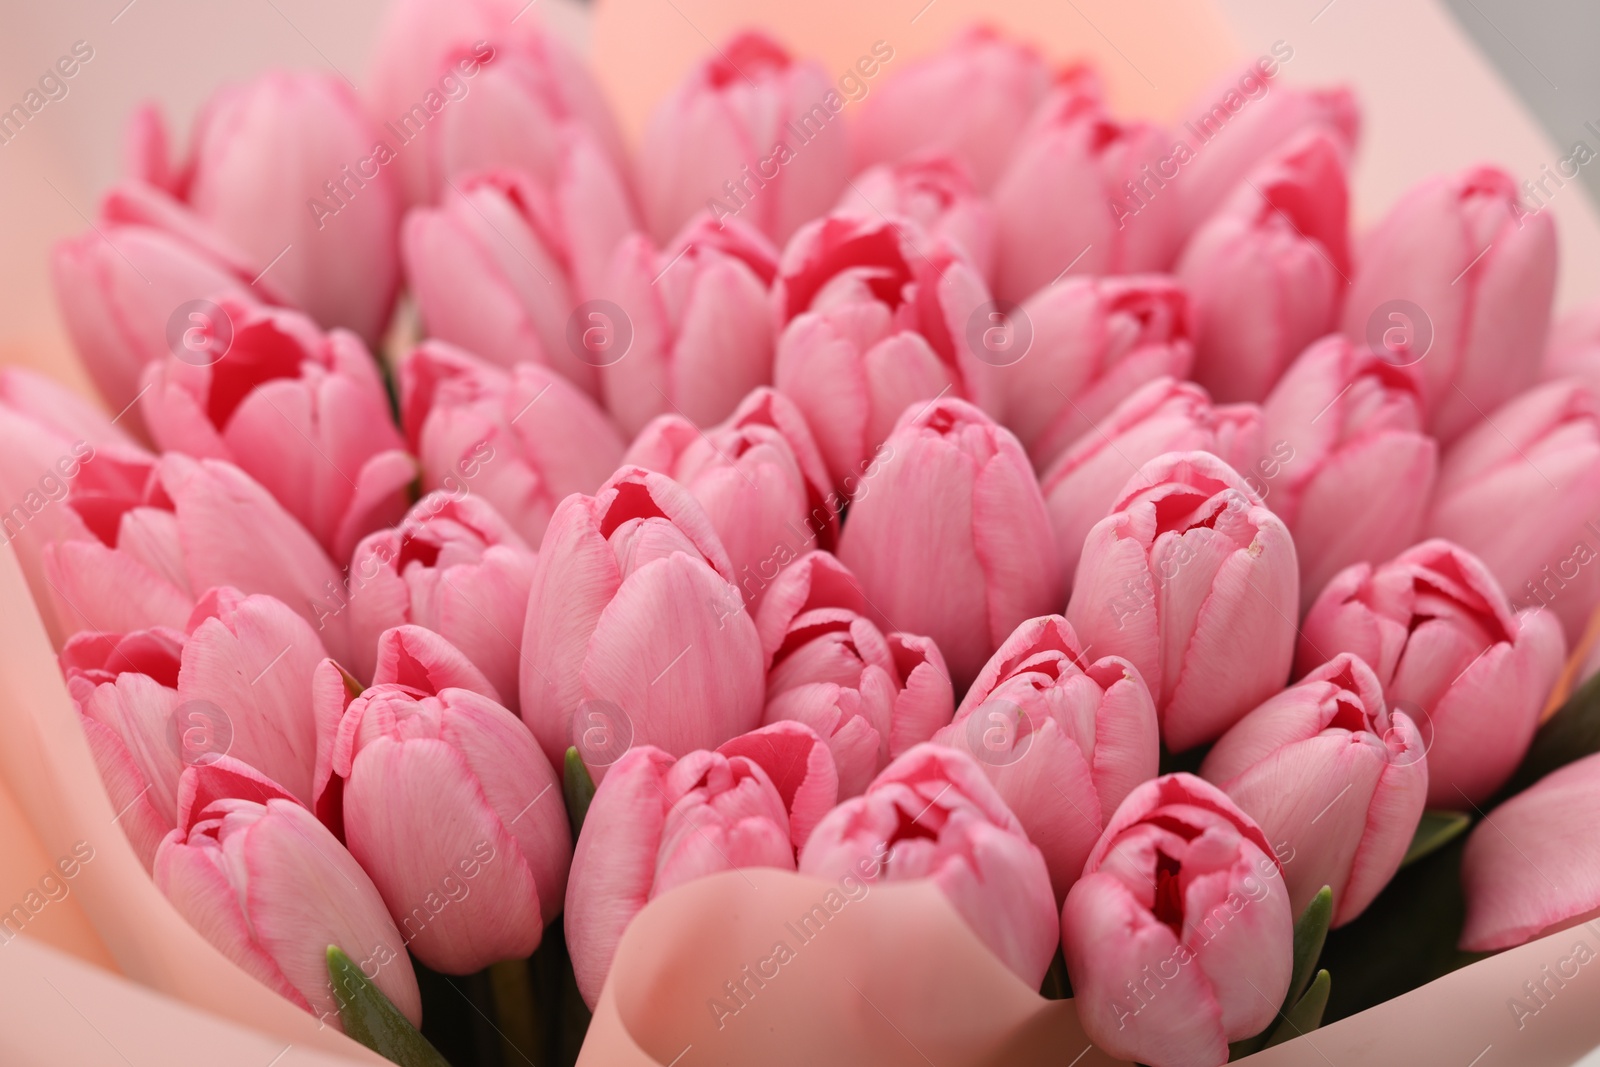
<point>938,194</point>
<point>125,688</point>
<point>1178,937</point>
<point>751,131</point>
<point>286,167</point>
<point>261,879</point>
<point>633,617</point>
<point>972,101</point>
<point>951,538</point>
<point>868,695</point>
<point>877,319</point>
<point>1192,580</point>
<point>698,324</point>
<point>801,768</point>
<point>463,87</point>
<point>127,287</point>
<point>1096,341</point>
<point>1343,425</point>
<point>1244,118</point>
<point>524,440</point>
<point>1529,869</point>
<point>759,477</point>
<point>302,412</point>
<point>1163,416</point>
<point>932,814</point>
<point>1328,746</point>
<point>817,581</point>
<point>454,566</point>
<point>1574,347</point>
<point>1063,738</point>
<point>500,265</point>
<point>1450,652</point>
<point>1060,205</point>
<point>1269,270</point>
<point>1521,491</point>
<point>448,796</point>
<point>1458,278</point>
<point>58,409</point>
<point>654,824</point>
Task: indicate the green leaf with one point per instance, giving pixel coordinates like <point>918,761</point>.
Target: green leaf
<point>1306,1015</point>
<point>369,1018</point>
<point>1436,830</point>
<point>579,789</point>
<point>1310,931</point>
<point>1572,733</point>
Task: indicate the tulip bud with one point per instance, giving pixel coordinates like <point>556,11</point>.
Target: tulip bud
<point>932,814</point>
<point>655,824</point>
<point>751,131</point>
<point>1178,937</point>
<point>302,412</point>
<point>1066,201</point>
<point>877,318</point>
<point>448,796</point>
<point>972,101</point>
<point>1096,341</point>
<point>259,148</point>
<point>1343,425</point>
<point>938,194</point>
<point>1574,347</point>
<point>1449,651</point>
<point>1333,777</point>
<point>699,323</point>
<point>759,477</point>
<point>261,879</point>
<point>1268,271</point>
<point>59,410</point>
<point>1529,868</point>
<point>953,540</point>
<point>1458,278</point>
<point>801,768</point>
<point>1193,581</point>
<point>1521,491</point>
<point>817,581</point>
<point>633,616</point>
<point>454,566</point>
<point>524,440</point>
<point>1163,416</point>
<point>1062,737</point>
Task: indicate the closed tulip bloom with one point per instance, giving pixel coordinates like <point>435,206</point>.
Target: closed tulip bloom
<point>1530,866</point>
<point>267,884</point>
<point>1164,416</point>
<point>1521,491</point>
<point>972,101</point>
<point>877,316</point>
<point>815,581</point>
<point>302,412</point>
<point>1096,341</point>
<point>1342,425</point>
<point>1060,204</point>
<point>1193,580</point>
<point>434,782</point>
<point>1461,249</point>
<point>750,131</point>
<point>1063,738</point>
<point>932,814</point>
<point>523,439</point>
<point>1244,118</point>
<point>1451,653</point>
<point>1268,272</point>
<point>454,566</point>
<point>801,767</point>
<point>259,150</point>
<point>1328,746</point>
<point>936,192</point>
<point>633,606</point>
<point>471,86</point>
<point>759,477</point>
<point>953,540</point>
<point>1573,350</point>
<point>1179,936</point>
<point>700,323</point>
<point>657,823</point>
<point>59,410</point>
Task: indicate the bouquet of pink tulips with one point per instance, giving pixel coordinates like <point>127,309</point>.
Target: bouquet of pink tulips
<point>490,527</point>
